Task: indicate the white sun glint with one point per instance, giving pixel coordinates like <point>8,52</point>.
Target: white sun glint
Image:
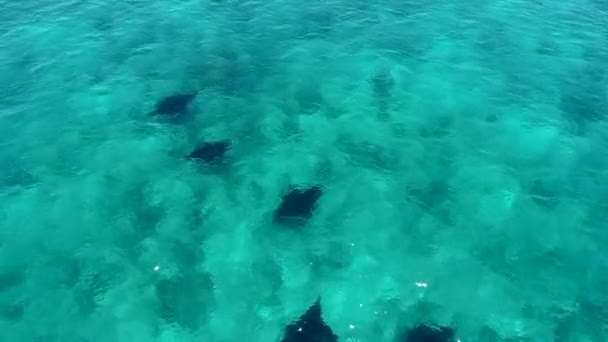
<point>421,284</point>
<point>156,268</point>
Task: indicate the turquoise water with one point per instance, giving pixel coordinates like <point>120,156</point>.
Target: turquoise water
<point>460,149</point>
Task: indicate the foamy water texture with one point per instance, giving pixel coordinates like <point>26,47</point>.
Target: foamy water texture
<point>317,171</point>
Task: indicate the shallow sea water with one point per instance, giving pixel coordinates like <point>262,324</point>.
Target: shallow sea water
<point>460,150</point>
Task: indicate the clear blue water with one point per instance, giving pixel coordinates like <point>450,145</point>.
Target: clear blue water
<point>459,150</point>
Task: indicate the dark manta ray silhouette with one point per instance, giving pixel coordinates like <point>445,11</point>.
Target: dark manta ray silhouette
<point>310,327</point>
<point>428,332</point>
<point>211,152</point>
<point>298,204</point>
<point>174,105</point>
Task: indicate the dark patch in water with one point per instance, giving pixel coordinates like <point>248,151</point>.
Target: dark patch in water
<point>298,204</point>
<point>543,195</point>
<point>10,278</point>
<point>492,118</point>
<point>211,152</point>
<point>317,24</point>
<point>495,40</point>
<point>12,312</point>
<point>12,174</point>
<point>68,270</point>
<point>91,287</point>
<point>564,329</point>
<point>332,259</point>
<point>174,105</point>
<point>583,97</point>
<point>433,194</point>
<point>310,327</point>
<point>548,47</point>
<point>309,98</point>
<point>146,215</point>
<point>488,335</point>
<point>235,80</point>
<point>382,84</point>
<point>368,154</point>
<point>227,53</point>
<point>187,254</point>
<point>582,106</point>
<point>426,332</point>
<point>228,71</point>
<point>437,128</point>
<point>184,300</point>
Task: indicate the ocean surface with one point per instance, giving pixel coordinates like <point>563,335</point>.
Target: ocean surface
<point>208,170</point>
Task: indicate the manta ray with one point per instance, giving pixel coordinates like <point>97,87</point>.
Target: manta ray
<point>174,105</point>
<point>310,327</point>
<point>298,204</point>
<point>211,152</point>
